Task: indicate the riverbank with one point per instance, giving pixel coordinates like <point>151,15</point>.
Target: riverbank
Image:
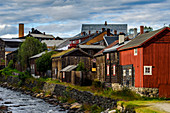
<point>68,98</point>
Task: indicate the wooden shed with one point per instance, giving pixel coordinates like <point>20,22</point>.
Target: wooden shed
<point>69,57</point>
<point>148,57</point>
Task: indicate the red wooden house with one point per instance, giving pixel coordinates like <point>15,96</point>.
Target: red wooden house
<point>147,57</point>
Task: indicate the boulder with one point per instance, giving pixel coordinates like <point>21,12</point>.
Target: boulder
<point>75,106</point>
<point>112,111</point>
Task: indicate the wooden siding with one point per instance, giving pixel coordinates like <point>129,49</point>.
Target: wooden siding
<point>97,38</point>
<point>127,57</point>
<point>100,65</point>
<point>157,55</point>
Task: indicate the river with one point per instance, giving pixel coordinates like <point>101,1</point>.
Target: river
<point>22,103</point>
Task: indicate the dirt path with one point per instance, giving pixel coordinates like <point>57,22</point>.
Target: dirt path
<point>162,106</point>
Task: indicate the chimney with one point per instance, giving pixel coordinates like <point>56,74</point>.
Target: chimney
<point>82,33</point>
<point>97,31</point>
<point>44,33</point>
<point>141,29</point>
<point>89,32</point>
<point>21,30</point>
<point>32,30</point>
<point>105,23</point>
<point>135,31</point>
<point>103,29</point>
<point>115,32</point>
<point>108,32</point>
<point>121,38</point>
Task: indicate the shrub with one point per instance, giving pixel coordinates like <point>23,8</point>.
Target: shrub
<point>81,67</point>
<point>97,84</point>
<point>96,109</point>
<point>10,64</point>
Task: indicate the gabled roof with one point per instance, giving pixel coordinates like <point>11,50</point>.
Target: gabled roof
<point>140,39</point>
<point>90,38</point>
<point>11,40</point>
<point>38,55</point>
<point>115,47</point>
<point>40,35</point>
<point>67,52</point>
<point>101,52</point>
<point>91,46</point>
<point>51,43</point>
<point>110,39</point>
<point>69,68</point>
<point>8,49</point>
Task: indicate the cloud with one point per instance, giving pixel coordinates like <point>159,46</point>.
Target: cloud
<point>64,17</point>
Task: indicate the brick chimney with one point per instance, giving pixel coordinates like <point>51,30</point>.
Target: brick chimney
<point>115,32</point>
<point>103,29</point>
<point>82,33</point>
<point>141,29</point>
<point>21,30</point>
<point>108,32</point>
<point>105,23</point>
<point>97,31</point>
<point>89,32</point>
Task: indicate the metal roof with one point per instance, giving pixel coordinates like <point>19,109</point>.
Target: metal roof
<point>110,39</point>
<point>51,43</point>
<point>91,47</point>
<point>69,68</point>
<point>98,27</point>
<point>39,55</point>
<point>114,48</point>
<point>141,39</point>
<point>41,35</point>
<point>11,40</point>
<point>10,49</point>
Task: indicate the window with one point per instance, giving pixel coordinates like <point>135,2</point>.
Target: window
<point>124,72</point>
<point>147,70</point>
<point>135,51</point>
<point>130,71</point>
<point>107,70</point>
<point>79,40</point>
<point>114,70</point>
<point>107,56</point>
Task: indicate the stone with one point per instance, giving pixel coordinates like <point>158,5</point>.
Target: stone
<point>4,107</point>
<point>120,108</point>
<point>112,111</point>
<point>116,86</point>
<point>75,106</point>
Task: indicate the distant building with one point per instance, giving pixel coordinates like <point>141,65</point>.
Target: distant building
<point>98,27</point>
<point>34,33</point>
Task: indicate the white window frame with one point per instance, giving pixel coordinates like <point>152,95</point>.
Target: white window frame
<point>108,70</point>
<point>130,72</point>
<point>114,70</point>
<point>124,72</point>
<point>136,51</point>
<point>145,69</point>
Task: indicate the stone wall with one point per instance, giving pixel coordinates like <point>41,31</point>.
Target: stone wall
<point>83,97</point>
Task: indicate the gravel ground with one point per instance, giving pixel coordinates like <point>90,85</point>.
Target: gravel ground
<point>162,106</point>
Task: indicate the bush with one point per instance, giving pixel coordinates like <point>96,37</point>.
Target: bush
<point>10,64</point>
<point>81,67</point>
<point>96,109</point>
<point>97,84</point>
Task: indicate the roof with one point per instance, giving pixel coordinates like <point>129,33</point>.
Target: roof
<point>98,27</point>
<point>68,68</point>
<point>95,35</point>
<point>41,35</point>
<point>51,43</point>
<point>62,53</point>
<point>115,47</point>
<point>11,40</point>
<point>39,55</point>
<point>10,49</point>
<point>67,52</point>
<point>101,52</point>
<point>110,39</point>
<point>140,39</point>
<point>91,47</point>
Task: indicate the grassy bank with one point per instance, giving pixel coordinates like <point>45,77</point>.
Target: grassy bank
<point>126,97</point>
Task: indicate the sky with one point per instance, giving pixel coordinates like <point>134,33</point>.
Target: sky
<point>64,18</point>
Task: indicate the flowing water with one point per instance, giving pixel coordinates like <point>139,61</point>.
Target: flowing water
<point>21,103</point>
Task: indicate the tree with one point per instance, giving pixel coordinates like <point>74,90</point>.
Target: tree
<point>30,47</point>
<point>148,29</point>
<point>44,62</point>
